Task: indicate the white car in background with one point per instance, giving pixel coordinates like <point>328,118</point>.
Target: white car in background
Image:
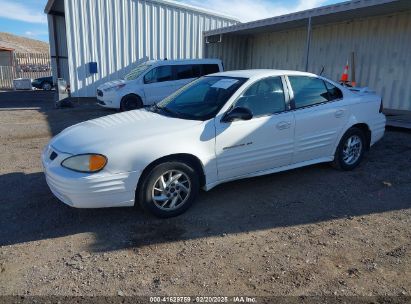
<point>152,81</point>
<point>218,128</point>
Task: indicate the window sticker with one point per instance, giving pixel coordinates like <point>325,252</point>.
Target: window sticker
<point>224,83</point>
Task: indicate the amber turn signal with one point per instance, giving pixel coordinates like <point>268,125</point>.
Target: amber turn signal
<point>97,162</point>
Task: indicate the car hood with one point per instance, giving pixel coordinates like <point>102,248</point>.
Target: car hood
<point>111,84</point>
<point>95,136</point>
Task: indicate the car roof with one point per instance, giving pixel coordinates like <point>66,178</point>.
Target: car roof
<point>258,73</point>
<point>183,61</point>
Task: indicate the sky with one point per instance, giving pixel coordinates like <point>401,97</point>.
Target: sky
<point>27,18</point>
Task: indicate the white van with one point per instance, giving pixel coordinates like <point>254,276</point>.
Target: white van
<point>152,81</point>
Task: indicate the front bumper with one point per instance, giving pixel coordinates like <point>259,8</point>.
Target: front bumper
<point>108,100</point>
<point>82,190</point>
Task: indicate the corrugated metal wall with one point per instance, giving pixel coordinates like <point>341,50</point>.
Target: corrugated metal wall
<point>234,51</point>
<point>118,34</point>
<point>280,50</point>
<point>283,50</point>
<point>382,46</point>
<point>383,54</point>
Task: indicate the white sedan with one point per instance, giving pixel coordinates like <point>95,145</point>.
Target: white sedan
<point>218,128</point>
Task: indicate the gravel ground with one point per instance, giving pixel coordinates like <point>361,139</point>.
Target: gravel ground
<point>310,231</point>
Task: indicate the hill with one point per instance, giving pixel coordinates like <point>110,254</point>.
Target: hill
<point>23,44</point>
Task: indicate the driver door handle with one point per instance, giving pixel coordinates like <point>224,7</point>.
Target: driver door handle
<point>283,125</point>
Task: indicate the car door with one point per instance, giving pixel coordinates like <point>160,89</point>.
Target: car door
<point>266,141</point>
<point>320,115</point>
<point>158,84</point>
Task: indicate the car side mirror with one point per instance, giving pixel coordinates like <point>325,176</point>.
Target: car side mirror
<point>238,113</point>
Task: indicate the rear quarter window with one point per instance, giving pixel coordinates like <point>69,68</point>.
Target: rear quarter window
<point>335,93</point>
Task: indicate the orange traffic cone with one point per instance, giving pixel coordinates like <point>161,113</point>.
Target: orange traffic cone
<point>344,76</point>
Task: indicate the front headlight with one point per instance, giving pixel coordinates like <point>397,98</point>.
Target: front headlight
<point>116,87</point>
<point>86,163</point>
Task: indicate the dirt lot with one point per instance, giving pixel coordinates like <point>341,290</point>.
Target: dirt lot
<point>311,231</point>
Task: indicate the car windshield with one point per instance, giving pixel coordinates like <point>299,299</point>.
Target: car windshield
<point>202,98</point>
<point>137,71</point>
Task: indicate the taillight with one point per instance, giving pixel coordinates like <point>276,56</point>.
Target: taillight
<point>381,107</point>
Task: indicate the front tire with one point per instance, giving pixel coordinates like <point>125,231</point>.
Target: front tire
<point>350,150</point>
<point>169,189</point>
<point>131,102</point>
<point>46,86</point>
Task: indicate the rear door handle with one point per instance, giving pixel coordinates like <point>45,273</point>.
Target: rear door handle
<point>283,125</point>
<point>339,113</point>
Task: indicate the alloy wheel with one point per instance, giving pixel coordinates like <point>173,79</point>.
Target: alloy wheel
<point>171,190</point>
<point>352,149</point>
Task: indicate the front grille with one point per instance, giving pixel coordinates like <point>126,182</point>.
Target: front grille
<point>53,156</point>
<point>100,93</point>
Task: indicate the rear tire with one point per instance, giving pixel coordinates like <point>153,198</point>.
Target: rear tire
<point>131,102</point>
<point>350,150</point>
<point>169,189</point>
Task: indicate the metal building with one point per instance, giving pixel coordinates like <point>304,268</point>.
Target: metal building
<point>118,34</point>
<point>6,56</point>
<point>377,31</point>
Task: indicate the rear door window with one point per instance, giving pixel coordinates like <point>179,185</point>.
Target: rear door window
<point>197,70</point>
<point>308,91</point>
<point>187,71</point>
<point>159,74</point>
<point>184,71</point>
<point>210,69</point>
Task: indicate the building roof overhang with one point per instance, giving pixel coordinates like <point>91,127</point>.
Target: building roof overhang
<point>339,12</point>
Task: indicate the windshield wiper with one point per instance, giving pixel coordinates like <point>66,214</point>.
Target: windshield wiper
<point>183,115</point>
<point>156,108</point>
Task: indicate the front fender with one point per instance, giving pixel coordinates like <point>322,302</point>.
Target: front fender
<point>138,90</point>
<point>136,155</point>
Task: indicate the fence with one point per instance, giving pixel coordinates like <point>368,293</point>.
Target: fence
<point>25,65</point>
<point>7,74</point>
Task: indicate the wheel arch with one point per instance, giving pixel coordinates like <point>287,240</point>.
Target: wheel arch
<point>131,95</point>
<point>362,126</point>
<point>191,159</point>
<point>367,132</point>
